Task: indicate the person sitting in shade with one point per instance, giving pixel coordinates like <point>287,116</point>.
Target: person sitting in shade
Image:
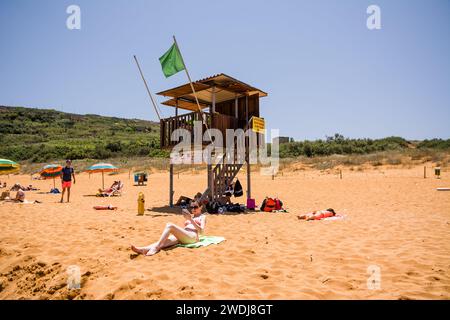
<point>184,201</point>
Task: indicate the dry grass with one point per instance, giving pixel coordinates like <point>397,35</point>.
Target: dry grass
<point>406,159</point>
<point>353,162</point>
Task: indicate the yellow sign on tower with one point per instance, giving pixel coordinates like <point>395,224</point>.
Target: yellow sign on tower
<point>258,124</point>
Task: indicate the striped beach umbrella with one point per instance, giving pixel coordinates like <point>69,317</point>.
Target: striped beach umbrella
<point>8,166</point>
<point>102,167</point>
<point>51,171</point>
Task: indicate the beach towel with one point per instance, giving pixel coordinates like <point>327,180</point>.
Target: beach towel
<point>336,217</point>
<point>203,242</point>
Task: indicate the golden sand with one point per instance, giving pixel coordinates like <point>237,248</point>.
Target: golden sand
<point>395,221</point>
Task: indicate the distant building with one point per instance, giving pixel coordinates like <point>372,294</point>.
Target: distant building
<point>282,140</point>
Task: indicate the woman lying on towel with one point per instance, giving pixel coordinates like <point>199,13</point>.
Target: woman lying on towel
<point>318,215</point>
<point>194,225</point>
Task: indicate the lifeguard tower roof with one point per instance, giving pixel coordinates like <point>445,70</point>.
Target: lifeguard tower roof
<point>226,88</point>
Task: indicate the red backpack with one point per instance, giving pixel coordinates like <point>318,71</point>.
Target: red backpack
<point>278,204</point>
<point>270,205</point>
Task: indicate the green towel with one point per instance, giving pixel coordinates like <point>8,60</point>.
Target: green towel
<point>203,242</point>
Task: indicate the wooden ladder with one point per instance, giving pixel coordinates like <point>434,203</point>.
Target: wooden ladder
<point>219,177</point>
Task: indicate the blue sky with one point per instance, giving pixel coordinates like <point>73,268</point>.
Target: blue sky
<point>325,72</point>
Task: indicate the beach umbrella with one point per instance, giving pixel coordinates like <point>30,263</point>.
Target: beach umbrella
<point>51,171</point>
<point>8,166</point>
<point>102,167</point>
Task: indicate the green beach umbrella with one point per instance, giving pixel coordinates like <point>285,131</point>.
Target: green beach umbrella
<point>8,166</point>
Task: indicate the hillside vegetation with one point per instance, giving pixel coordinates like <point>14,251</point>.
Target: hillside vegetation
<point>41,135</point>
<point>38,136</point>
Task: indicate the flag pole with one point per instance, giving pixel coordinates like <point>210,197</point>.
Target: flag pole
<point>192,87</point>
<point>146,86</point>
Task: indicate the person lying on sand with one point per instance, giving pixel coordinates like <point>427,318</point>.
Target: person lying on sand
<point>194,225</point>
<point>18,186</point>
<point>318,215</point>
<point>20,197</point>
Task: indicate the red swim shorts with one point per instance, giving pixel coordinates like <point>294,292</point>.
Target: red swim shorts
<point>66,184</point>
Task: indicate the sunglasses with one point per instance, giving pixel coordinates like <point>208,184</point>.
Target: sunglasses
<point>194,207</point>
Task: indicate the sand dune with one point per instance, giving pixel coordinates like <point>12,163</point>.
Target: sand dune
<point>395,220</point>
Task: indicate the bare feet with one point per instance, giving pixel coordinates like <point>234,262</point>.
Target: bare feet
<point>139,250</point>
<point>153,250</point>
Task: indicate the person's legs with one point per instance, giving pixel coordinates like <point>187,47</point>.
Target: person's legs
<point>182,236</point>
<point>169,242</point>
<point>171,235</point>
<point>62,194</point>
<point>68,194</point>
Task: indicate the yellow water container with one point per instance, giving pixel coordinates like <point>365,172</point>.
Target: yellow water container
<point>141,204</point>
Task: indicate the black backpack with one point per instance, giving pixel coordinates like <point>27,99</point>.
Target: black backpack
<point>212,207</point>
<point>238,191</point>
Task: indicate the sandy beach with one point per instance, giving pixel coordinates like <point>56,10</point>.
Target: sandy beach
<point>394,220</point>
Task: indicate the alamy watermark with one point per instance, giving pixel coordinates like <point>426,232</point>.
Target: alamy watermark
<point>73,277</point>
<point>374,280</point>
<point>73,21</point>
<point>374,20</point>
<point>240,146</point>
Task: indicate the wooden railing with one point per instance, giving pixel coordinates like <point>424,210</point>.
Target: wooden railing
<point>223,122</point>
<point>186,121</point>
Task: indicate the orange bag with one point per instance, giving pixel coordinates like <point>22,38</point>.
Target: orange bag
<point>270,205</point>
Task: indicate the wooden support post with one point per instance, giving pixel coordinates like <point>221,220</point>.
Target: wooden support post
<point>340,173</point>
<point>176,107</point>
<point>210,182</point>
<point>246,108</point>
<point>213,99</point>
<point>424,172</point>
<point>171,186</point>
<point>236,107</point>
<point>249,182</point>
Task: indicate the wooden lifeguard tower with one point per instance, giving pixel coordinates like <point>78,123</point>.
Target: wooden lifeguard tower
<point>226,103</point>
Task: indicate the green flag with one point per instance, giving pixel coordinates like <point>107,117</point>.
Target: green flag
<point>171,61</point>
